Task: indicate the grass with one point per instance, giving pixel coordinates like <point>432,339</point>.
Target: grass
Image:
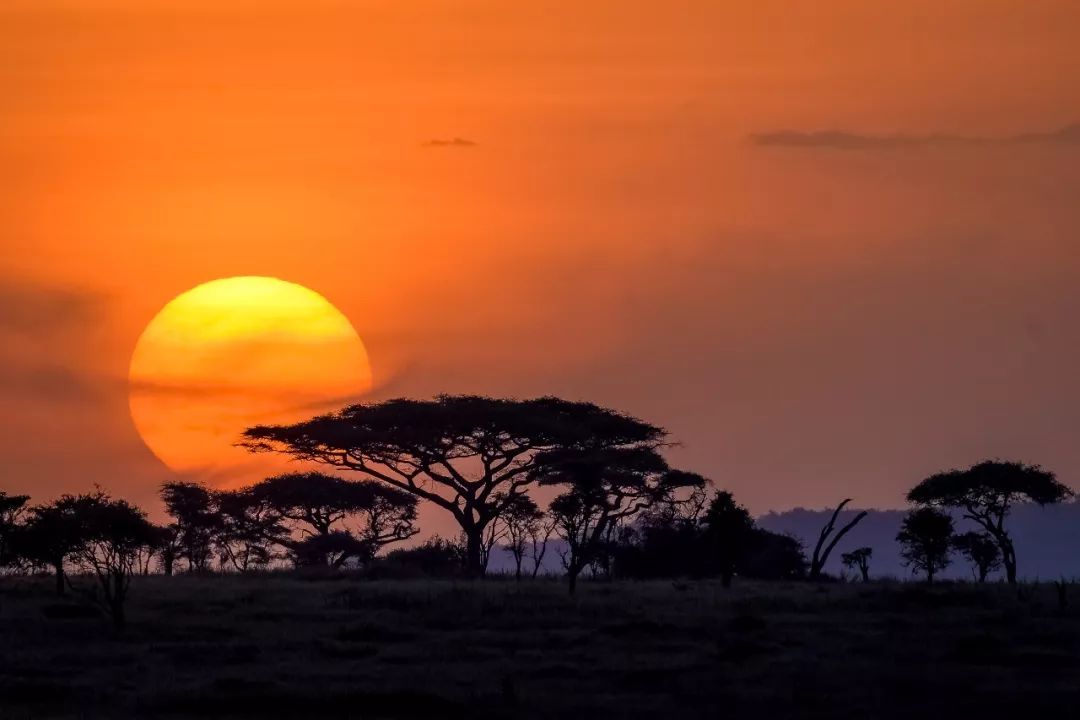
<point>280,646</point>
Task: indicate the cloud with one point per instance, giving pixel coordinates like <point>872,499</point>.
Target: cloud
<point>43,331</point>
<point>847,140</point>
<point>453,142</point>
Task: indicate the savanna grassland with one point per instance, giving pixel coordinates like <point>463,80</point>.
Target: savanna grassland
<point>283,646</point>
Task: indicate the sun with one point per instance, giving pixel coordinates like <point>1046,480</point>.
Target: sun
<point>236,352</point>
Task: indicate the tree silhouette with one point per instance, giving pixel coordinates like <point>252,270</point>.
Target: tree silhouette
<point>859,558</point>
<point>466,454</point>
<point>823,550</point>
<point>248,529</point>
<point>728,531</point>
<point>12,508</point>
<point>332,549</point>
<point>926,538</point>
<point>50,535</point>
<point>196,521</point>
<point>168,547</point>
<point>522,520</point>
<point>605,487</point>
<point>980,550</point>
<point>113,534</point>
<point>986,493</point>
<point>319,504</point>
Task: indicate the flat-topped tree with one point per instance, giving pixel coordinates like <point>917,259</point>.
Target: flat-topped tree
<point>986,493</point>
<point>319,505</point>
<point>466,454</point>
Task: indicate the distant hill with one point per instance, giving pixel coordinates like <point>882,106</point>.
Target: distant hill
<point>1047,539</point>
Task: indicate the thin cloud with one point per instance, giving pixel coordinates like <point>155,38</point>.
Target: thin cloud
<point>847,140</point>
<point>456,142</point>
<point>43,333</point>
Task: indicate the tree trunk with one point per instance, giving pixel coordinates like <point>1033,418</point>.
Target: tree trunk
<point>930,576</point>
<point>725,578</point>
<point>571,575</point>
<point>474,559</point>
<point>1008,558</point>
<point>865,574</point>
<point>59,577</point>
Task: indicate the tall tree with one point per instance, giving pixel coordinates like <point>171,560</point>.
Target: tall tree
<point>605,488</point>
<point>824,545</point>
<point>465,454</point>
<point>981,551</point>
<point>986,492</point>
<point>196,520</point>
<point>926,538</point>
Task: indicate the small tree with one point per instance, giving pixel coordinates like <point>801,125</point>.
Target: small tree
<point>196,520</point>
<point>168,547</point>
<point>114,533</point>
<point>728,530</point>
<point>521,519</point>
<point>926,539</point>
<point>823,550</point>
<point>333,549</point>
<point>12,508</point>
<point>606,487</point>
<point>248,529</point>
<point>539,535</point>
<point>317,504</point>
<point>859,558</point>
<point>50,536</point>
<point>981,551</point>
<point>986,493</point>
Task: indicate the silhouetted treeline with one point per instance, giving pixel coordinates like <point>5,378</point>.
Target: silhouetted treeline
<point>620,510</point>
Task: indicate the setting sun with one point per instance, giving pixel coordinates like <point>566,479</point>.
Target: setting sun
<point>236,351</point>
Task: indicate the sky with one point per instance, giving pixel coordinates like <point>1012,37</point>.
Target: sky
<point>833,247</point>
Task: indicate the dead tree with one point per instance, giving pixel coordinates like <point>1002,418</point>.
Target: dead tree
<point>822,550</point>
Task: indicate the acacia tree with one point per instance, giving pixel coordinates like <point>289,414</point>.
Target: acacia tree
<point>605,488</point>
<point>981,551</point>
<point>521,519</point>
<point>50,535</point>
<point>825,546</point>
<point>12,508</point>
<point>248,529</point>
<point>986,492</point>
<point>319,505</point>
<point>114,534</point>
<point>196,521</point>
<point>859,558</point>
<point>465,454</point>
<point>926,538</point>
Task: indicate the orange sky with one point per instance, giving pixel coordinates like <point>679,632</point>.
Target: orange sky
<point>811,323</point>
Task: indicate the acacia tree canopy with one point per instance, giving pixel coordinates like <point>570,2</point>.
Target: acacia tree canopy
<point>606,487</point>
<point>466,454</point>
<point>986,492</point>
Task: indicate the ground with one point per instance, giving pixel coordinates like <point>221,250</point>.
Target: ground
<point>282,646</point>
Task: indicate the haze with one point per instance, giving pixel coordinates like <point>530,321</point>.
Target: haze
<point>593,202</point>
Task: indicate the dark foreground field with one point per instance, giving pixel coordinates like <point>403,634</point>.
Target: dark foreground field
<point>285,647</point>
